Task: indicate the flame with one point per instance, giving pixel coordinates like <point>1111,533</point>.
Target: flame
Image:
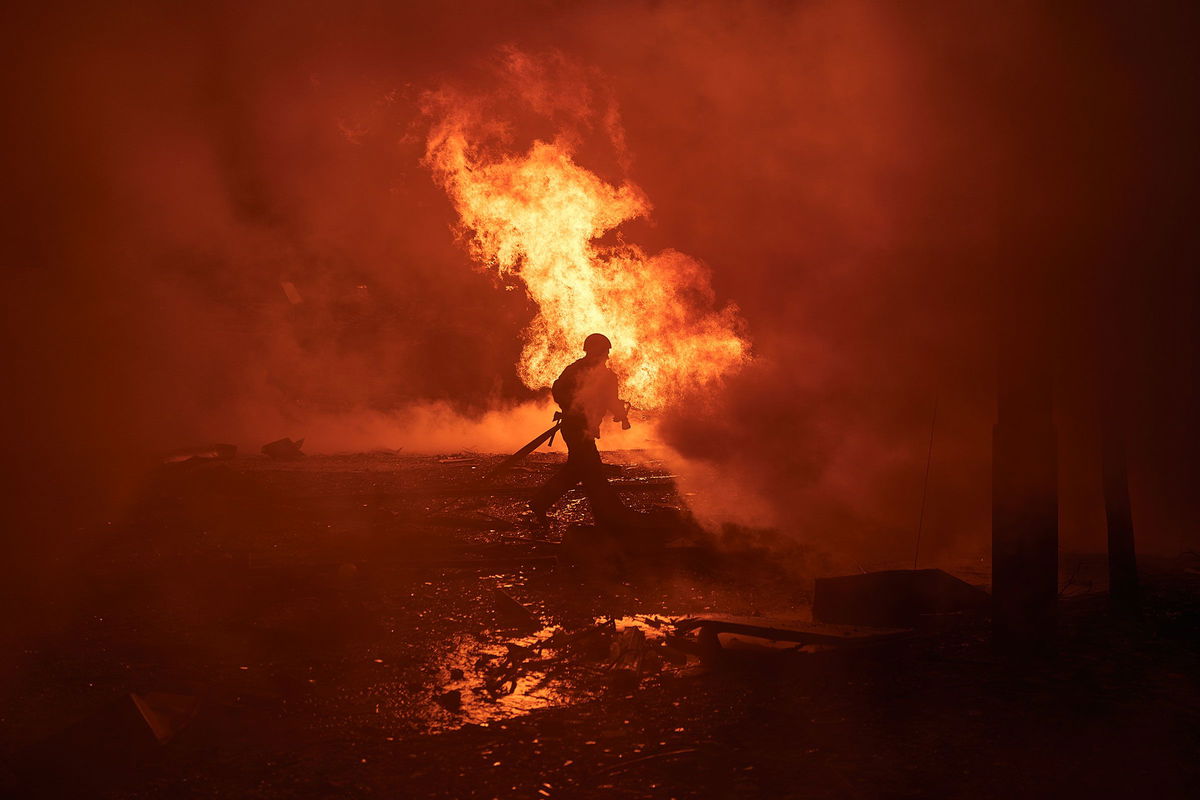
<point>537,217</point>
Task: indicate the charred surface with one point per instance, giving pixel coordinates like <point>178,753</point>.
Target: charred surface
<point>329,652</point>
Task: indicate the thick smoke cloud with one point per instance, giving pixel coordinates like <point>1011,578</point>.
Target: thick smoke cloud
<point>854,174</point>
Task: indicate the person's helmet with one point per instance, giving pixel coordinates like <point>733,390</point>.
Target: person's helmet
<point>597,343</point>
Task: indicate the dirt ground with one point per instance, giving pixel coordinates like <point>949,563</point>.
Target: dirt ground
<point>333,620</point>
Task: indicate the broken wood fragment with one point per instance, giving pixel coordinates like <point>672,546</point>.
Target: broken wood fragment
<point>779,630</point>
<point>511,614</point>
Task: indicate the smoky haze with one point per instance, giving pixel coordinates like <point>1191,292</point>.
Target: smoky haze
<point>853,174</point>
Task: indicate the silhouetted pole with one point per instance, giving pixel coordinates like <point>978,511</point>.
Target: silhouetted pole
<point>1024,496</point>
<point>1122,560</point>
<point>925,486</point>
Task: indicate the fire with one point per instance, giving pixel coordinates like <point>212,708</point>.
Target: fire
<point>537,217</point>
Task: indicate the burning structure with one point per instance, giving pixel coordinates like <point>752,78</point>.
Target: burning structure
<point>357,245</point>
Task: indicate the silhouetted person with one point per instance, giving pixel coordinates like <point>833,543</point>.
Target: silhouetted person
<point>586,391</point>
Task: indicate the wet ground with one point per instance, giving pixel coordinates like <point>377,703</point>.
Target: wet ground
<point>336,622</point>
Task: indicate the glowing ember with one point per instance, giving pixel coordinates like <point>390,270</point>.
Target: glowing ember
<point>537,217</point>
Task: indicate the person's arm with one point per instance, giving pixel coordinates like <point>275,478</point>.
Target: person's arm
<point>618,407</point>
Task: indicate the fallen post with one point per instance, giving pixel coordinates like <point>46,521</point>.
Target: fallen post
<point>708,644</point>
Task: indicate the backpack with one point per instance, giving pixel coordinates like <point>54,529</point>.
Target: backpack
<point>563,389</point>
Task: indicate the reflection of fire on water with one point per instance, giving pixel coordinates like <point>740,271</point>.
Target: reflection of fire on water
<point>556,668</point>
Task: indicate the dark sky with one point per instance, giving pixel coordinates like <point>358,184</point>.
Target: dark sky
<point>862,179</point>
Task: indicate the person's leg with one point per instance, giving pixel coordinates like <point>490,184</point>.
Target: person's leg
<point>606,505</point>
<point>560,482</point>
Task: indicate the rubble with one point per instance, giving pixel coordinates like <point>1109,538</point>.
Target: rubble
<point>511,614</point>
<point>216,452</point>
<point>628,649</point>
<point>771,631</point>
<point>308,608</point>
<point>630,657</point>
<point>284,449</point>
<point>894,598</point>
<point>450,700</point>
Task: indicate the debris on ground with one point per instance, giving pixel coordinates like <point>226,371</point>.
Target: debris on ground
<point>450,700</point>
<point>306,596</point>
<point>474,520</point>
<point>511,614</point>
<point>107,748</point>
<point>629,656</point>
<point>216,452</point>
<point>284,449</point>
<point>166,713</point>
<point>715,634</point>
<point>899,597</point>
<point>501,679</point>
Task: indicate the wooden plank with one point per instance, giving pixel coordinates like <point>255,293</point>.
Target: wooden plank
<point>790,630</point>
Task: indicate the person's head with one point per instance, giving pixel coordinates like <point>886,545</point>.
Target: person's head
<point>596,346</point>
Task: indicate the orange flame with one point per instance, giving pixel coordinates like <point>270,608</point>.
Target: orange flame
<point>537,217</point>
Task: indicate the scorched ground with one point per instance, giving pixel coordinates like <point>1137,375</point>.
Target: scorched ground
<point>324,613</point>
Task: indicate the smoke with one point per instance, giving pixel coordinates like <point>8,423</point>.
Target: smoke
<point>849,173</point>
<point>433,428</point>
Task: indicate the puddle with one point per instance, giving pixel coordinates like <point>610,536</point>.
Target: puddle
<point>489,678</point>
